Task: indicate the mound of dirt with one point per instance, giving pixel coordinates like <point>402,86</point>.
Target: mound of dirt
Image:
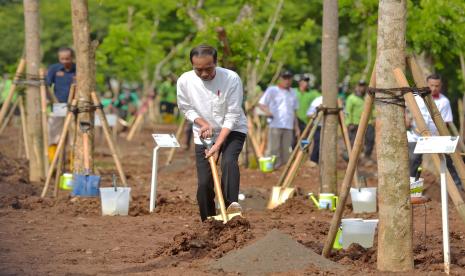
<point>296,205</point>
<point>210,239</point>
<point>276,252</point>
<point>14,183</point>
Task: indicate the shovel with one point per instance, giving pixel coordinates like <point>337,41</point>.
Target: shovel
<point>224,216</point>
<point>279,194</point>
<point>86,184</point>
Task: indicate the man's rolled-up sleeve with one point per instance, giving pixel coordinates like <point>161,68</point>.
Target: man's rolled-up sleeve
<point>234,105</point>
<point>184,104</point>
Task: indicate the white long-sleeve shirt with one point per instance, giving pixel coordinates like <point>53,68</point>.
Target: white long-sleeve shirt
<point>218,101</point>
<point>283,104</point>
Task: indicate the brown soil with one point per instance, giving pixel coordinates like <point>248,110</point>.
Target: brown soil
<point>69,235</point>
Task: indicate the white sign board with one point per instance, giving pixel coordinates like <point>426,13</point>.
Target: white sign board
<point>111,119</point>
<point>166,140</point>
<point>436,144</point>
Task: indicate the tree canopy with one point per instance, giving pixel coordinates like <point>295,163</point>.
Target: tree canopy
<point>144,41</point>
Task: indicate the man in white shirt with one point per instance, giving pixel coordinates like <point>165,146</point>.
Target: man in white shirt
<point>211,98</point>
<point>435,85</point>
<point>280,104</point>
<point>312,110</point>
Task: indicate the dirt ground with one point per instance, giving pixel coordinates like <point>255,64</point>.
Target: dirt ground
<point>70,237</point>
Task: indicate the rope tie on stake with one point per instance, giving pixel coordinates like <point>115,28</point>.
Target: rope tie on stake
<point>29,80</point>
<point>395,96</point>
<point>329,110</point>
<point>84,107</point>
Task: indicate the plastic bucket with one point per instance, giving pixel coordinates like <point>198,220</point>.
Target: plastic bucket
<point>359,231</point>
<point>416,187</point>
<point>363,200</point>
<point>266,164</point>
<point>115,202</point>
<point>327,201</point>
<point>66,181</point>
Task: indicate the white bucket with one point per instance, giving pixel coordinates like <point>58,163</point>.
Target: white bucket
<point>115,202</point>
<point>363,200</point>
<point>416,187</point>
<point>359,231</point>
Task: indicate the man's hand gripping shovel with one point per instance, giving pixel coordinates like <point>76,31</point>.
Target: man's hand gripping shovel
<point>224,216</point>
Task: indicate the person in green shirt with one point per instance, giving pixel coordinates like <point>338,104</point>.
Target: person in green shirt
<point>5,89</point>
<point>353,111</point>
<point>305,97</point>
<point>126,103</point>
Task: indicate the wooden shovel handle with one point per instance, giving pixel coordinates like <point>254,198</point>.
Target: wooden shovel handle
<point>217,186</point>
<point>85,141</point>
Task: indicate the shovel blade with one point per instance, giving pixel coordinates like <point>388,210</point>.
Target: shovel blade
<point>86,185</point>
<point>229,217</point>
<point>279,195</point>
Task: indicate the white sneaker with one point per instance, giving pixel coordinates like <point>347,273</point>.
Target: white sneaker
<point>234,208</point>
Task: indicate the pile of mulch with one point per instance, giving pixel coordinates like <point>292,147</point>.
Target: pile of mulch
<point>209,239</point>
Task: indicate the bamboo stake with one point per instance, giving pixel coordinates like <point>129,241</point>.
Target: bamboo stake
<point>9,116</point>
<point>301,155</point>
<point>251,136</point>
<point>424,131</point>
<point>43,105</point>
<point>289,163</point>
<point>437,118</point>
<point>22,112</point>
<point>139,120</point>
<point>108,137</point>
<point>9,97</point>
<point>59,170</point>
<point>345,136</point>
<point>455,132</point>
<point>60,147</point>
<point>350,171</point>
<point>179,132</point>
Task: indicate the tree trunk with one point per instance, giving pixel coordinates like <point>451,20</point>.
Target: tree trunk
<point>34,127</point>
<point>329,76</point>
<point>85,84</point>
<point>395,214</point>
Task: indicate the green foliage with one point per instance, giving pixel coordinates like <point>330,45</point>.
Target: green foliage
<point>435,28</point>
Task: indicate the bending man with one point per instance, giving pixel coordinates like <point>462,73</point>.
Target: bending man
<point>211,98</point>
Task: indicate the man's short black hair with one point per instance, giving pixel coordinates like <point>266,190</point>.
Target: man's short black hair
<point>204,50</point>
<point>434,77</point>
<point>66,49</point>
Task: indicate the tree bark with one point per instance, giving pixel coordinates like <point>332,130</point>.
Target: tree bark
<point>395,214</point>
<point>329,77</point>
<point>34,127</point>
<point>85,84</point>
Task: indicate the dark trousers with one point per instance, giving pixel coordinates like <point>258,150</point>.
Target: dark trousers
<point>230,177</point>
<point>315,155</point>
<point>415,161</point>
<point>369,138</point>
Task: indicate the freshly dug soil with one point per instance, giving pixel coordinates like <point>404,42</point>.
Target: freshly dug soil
<point>276,252</point>
<point>212,238</point>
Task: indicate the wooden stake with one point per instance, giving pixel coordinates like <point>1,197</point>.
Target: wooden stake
<point>59,170</point>
<point>60,147</point>
<point>9,97</point>
<point>252,137</point>
<point>9,116</point>
<point>455,132</point>
<point>179,132</point>
<point>345,136</point>
<point>350,171</point>
<point>43,105</point>
<point>290,161</point>
<point>108,137</point>
<point>424,131</point>
<point>300,155</point>
<point>139,120</point>
<point>22,112</point>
